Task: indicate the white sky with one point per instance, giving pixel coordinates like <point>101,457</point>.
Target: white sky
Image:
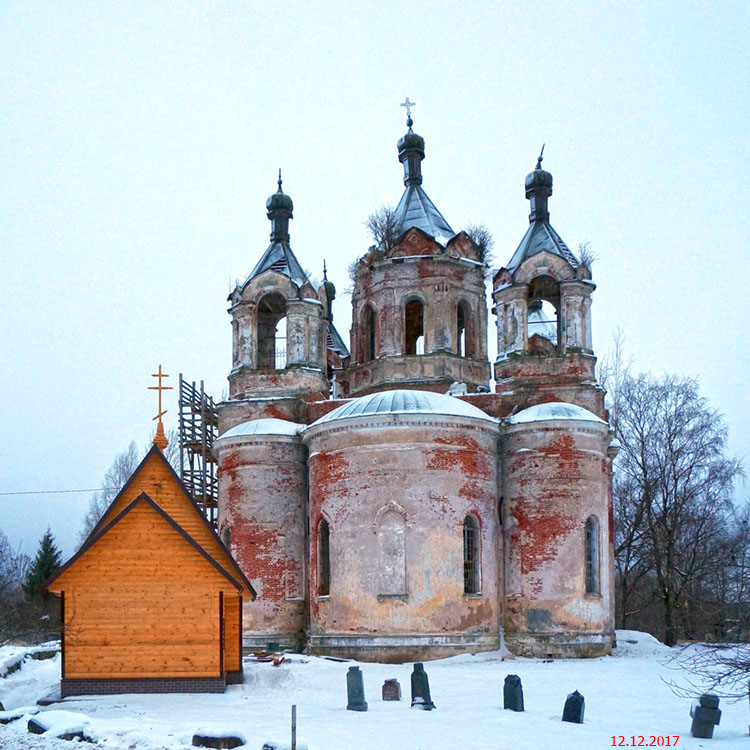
<point>140,141</point>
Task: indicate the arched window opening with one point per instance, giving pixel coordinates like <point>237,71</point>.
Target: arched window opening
<point>280,345</point>
<point>542,312</point>
<point>226,537</point>
<point>463,341</point>
<point>324,559</point>
<point>414,325</point>
<point>471,555</point>
<point>272,332</point>
<point>592,556</point>
<point>368,334</point>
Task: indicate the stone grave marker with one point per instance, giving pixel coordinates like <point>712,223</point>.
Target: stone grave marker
<point>574,706</point>
<point>420,689</point>
<point>355,690</point>
<point>391,690</point>
<point>706,715</point>
<point>513,693</point>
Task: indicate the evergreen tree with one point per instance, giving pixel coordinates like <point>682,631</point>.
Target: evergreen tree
<point>46,562</point>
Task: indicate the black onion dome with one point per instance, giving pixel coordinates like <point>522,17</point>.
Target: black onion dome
<point>411,141</point>
<point>537,179</point>
<point>279,201</point>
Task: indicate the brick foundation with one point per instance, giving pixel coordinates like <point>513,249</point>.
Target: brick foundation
<point>70,687</point>
<point>235,678</point>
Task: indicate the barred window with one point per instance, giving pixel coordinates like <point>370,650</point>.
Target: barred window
<point>592,556</point>
<point>324,559</point>
<point>471,555</point>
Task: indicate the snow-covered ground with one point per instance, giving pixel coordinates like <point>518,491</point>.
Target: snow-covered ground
<point>626,696</point>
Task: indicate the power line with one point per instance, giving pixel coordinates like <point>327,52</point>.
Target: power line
<point>57,492</point>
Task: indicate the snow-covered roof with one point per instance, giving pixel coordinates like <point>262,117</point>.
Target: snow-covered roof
<point>552,410</point>
<point>269,426</point>
<point>404,402</point>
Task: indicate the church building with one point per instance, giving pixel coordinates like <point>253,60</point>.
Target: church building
<point>385,500</point>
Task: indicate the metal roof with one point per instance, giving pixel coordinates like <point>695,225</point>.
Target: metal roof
<point>335,342</point>
<point>404,402</point>
<point>279,257</point>
<point>268,426</point>
<point>541,236</point>
<point>415,209</point>
<point>554,410</point>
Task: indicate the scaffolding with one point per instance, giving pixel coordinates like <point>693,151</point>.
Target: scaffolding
<point>199,424</point>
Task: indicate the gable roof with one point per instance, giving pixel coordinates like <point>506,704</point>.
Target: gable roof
<point>229,561</point>
<point>540,236</point>
<point>143,498</point>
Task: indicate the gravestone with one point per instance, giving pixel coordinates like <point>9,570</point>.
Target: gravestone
<point>706,716</point>
<point>513,693</point>
<point>355,690</point>
<point>391,690</point>
<point>218,742</point>
<point>420,689</point>
<point>573,711</point>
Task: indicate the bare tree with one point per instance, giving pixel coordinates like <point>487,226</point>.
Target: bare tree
<point>485,242</point>
<point>673,490</point>
<point>123,466</point>
<point>383,227</point>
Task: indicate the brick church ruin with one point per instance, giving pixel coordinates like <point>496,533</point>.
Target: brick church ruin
<point>383,501</point>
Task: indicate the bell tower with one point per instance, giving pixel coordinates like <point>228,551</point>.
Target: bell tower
<point>279,323</point>
<point>543,307</point>
<point>419,311</point>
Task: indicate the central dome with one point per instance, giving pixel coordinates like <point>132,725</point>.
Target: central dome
<point>404,402</point>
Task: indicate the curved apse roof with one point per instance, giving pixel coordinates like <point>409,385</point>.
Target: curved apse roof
<point>262,427</point>
<point>404,402</point>
<point>554,410</point>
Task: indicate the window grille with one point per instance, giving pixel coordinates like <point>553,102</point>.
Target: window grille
<point>324,559</point>
<point>592,557</point>
<point>471,556</point>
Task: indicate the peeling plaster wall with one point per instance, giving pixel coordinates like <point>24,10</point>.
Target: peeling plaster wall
<point>556,475</point>
<point>262,502</point>
<point>431,472</point>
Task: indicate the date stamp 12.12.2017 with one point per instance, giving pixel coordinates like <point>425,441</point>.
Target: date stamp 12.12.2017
<point>648,740</point>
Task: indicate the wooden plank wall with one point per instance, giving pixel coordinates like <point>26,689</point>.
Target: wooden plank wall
<point>142,602</point>
<point>232,633</point>
<point>158,483</point>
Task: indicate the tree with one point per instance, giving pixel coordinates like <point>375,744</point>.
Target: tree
<point>13,567</point>
<point>485,242</point>
<point>46,563</point>
<point>122,468</point>
<point>383,227</point>
<point>672,493</point>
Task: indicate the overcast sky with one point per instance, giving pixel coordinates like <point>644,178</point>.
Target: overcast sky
<point>140,141</point>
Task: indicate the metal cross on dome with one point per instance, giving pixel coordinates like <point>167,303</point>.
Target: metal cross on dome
<point>160,375</point>
<point>408,106</point>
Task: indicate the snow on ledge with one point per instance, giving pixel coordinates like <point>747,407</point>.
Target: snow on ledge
<point>268,426</point>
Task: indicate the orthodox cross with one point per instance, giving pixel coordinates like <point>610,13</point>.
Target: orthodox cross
<point>408,106</point>
<point>160,375</point>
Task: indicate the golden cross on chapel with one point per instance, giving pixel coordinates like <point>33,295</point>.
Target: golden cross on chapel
<point>160,439</point>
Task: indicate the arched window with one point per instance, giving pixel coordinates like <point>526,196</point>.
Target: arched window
<point>414,327</point>
<point>463,341</point>
<point>272,332</point>
<point>471,555</point>
<point>324,559</point>
<point>592,555</point>
<point>226,537</point>
<point>368,334</point>
<point>542,312</point>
